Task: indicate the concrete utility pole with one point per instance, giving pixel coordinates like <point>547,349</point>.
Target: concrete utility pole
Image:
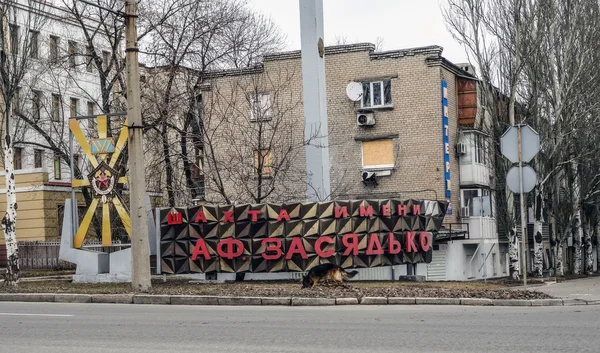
<point>140,249</point>
<point>315,100</point>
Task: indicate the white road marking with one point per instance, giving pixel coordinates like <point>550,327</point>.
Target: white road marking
<point>48,315</point>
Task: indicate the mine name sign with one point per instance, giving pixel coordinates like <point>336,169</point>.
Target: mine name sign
<point>296,237</point>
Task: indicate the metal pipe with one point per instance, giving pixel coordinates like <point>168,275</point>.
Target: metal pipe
<point>74,217</point>
<point>525,246</point>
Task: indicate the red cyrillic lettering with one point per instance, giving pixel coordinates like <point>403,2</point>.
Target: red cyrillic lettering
<point>339,212</point>
<point>374,246</point>
<point>230,253</point>
<point>385,210</point>
<point>410,242</point>
<point>366,212</point>
<point>416,209</point>
<point>228,216</point>
<point>200,217</point>
<point>254,214</point>
<point>296,246</point>
<point>350,246</point>
<point>394,245</point>
<point>200,249</point>
<point>425,241</point>
<point>276,248</point>
<point>401,210</point>
<point>283,215</point>
<point>174,218</point>
<point>319,251</point>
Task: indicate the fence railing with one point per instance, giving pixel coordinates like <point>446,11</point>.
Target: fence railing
<point>43,255</point>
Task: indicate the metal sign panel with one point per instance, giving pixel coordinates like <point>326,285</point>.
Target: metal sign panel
<point>529,179</point>
<point>530,143</point>
<point>295,237</point>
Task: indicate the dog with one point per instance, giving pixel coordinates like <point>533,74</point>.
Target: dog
<point>326,271</point>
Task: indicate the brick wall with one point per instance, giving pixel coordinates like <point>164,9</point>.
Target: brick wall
<point>416,120</point>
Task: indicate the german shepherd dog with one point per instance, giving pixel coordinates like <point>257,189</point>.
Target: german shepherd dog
<point>324,272</point>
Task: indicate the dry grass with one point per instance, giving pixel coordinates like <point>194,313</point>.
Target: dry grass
<point>289,289</point>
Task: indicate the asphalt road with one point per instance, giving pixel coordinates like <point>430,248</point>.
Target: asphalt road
<point>88,328</point>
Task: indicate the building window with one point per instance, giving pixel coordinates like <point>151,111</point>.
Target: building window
<point>260,105</point>
<point>478,201</point>
<point>14,39</point>
<point>54,40</point>
<point>18,162</point>
<point>16,103</point>
<point>57,170</point>
<point>73,107</point>
<point>56,107</point>
<point>34,44</point>
<point>90,108</point>
<point>105,60</point>
<point>36,104</point>
<point>76,160</point>
<point>378,154</point>
<point>72,54</point>
<point>37,158</point>
<point>480,152</point>
<point>88,59</point>
<point>263,162</point>
<point>377,94</point>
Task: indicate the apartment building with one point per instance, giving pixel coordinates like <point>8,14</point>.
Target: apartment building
<point>402,123</point>
<point>60,83</point>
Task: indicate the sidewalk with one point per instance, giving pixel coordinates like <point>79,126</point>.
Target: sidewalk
<point>587,289</point>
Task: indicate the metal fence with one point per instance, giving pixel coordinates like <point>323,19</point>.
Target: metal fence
<point>43,255</point>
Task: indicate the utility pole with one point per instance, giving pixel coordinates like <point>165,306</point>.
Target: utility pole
<point>524,237</point>
<point>140,248</point>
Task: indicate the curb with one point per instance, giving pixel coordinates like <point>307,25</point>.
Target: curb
<point>281,301</point>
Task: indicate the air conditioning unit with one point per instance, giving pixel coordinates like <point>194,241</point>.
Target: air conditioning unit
<point>461,149</point>
<point>365,119</point>
<point>369,178</point>
<point>464,212</point>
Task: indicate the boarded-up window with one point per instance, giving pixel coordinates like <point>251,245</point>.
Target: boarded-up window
<point>378,154</point>
<point>263,161</point>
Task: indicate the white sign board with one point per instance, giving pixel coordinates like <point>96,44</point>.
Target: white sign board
<point>529,179</point>
<point>530,143</point>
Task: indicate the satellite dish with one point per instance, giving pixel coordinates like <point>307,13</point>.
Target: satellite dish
<point>354,91</point>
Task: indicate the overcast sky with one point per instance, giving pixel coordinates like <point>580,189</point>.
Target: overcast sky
<point>401,23</point>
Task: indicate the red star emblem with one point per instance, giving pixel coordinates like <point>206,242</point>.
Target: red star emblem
<point>102,181</point>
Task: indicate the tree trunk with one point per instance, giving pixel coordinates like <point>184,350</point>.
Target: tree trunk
<point>597,236</point>
<point>538,246</point>
<point>577,230</point>
<point>513,239</point>
<point>9,222</point>
<point>513,254</point>
<point>168,165</point>
<point>558,256</point>
<point>587,241</point>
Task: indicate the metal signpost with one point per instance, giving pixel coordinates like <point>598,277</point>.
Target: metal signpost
<point>520,144</point>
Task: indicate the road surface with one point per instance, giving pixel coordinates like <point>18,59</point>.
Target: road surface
<point>88,328</point>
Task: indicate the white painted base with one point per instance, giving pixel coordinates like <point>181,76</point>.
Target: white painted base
<point>102,277</point>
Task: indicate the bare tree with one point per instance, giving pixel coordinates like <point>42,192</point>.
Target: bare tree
<point>17,21</point>
<point>538,54</point>
<point>207,35</point>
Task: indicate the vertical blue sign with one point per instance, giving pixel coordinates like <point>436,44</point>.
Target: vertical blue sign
<point>445,135</point>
